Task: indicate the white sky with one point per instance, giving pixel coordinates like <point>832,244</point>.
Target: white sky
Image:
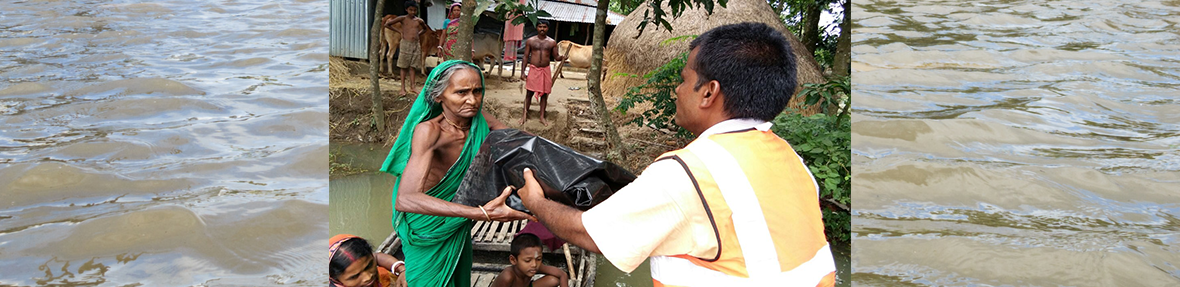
<point>827,18</point>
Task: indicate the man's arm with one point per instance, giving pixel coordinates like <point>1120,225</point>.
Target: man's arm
<point>563,279</point>
<point>557,53</point>
<point>391,24</point>
<point>528,51</point>
<point>563,221</point>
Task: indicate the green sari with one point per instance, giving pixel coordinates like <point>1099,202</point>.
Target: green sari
<point>437,248</point>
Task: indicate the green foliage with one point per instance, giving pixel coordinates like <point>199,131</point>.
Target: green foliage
<point>824,143</point>
<point>658,16</point>
<point>517,12</point>
<point>624,7</point>
<point>830,96</point>
<point>660,91</point>
<point>838,225</point>
<point>791,13</point>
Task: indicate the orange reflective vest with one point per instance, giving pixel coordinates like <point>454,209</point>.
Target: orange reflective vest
<point>764,205</point>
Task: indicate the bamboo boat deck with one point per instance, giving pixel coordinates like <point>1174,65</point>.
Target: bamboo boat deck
<point>491,243</point>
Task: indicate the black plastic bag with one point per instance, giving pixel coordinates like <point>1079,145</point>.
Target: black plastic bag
<point>565,175</point>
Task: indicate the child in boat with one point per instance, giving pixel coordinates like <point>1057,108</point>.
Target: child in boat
<point>526,262</point>
<point>352,263</point>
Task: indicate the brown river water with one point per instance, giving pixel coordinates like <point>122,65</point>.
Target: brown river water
<point>163,143</point>
<point>1016,143</point>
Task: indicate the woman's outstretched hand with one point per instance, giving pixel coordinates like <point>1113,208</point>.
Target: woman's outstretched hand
<point>499,211</point>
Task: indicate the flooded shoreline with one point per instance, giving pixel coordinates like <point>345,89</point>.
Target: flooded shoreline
<point>1016,143</point>
<point>163,143</point>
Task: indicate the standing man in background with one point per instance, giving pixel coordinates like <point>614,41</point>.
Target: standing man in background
<point>539,50</point>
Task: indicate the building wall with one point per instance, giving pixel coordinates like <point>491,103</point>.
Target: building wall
<point>348,34</point>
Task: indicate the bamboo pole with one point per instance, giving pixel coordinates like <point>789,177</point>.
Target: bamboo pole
<point>569,259</point>
<point>557,72</point>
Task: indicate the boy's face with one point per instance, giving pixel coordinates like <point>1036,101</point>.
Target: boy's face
<point>527,262</point>
<point>411,10</point>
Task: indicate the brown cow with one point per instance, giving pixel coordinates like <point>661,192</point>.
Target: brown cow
<point>391,40</point>
<point>488,45</point>
<point>579,56</point>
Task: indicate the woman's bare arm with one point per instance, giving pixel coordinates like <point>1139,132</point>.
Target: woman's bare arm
<point>411,194</point>
<point>385,260</point>
<point>412,197</point>
<point>493,123</point>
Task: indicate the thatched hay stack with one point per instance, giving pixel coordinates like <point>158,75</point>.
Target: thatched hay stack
<point>627,54</point>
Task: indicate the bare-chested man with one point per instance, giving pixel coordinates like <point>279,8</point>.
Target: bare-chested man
<point>538,51</point>
<point>410,53</point>
<point>432,154</point>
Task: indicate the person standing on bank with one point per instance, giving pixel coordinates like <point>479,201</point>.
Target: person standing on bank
<point>538,51</point>
<point>737,206</point>
<point>450,34</point>
<point>409,50</point>
<point>441,135</point>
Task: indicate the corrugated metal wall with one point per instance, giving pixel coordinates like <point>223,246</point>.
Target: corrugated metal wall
<point>348,35</point>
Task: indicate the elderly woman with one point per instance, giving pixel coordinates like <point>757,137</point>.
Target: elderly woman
<point>440,136</point>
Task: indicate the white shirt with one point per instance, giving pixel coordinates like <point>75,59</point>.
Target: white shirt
<point>660,213</point>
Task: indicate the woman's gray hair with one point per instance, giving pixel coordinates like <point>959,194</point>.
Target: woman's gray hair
<point>444,80</point>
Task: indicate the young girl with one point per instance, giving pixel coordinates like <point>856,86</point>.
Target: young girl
<point>352,263</point>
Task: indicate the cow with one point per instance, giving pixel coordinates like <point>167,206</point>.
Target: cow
<point>488,45</point>
<point>391,39</point>
<point>578,56</point>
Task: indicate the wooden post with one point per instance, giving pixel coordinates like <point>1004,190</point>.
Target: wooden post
<point>569,259</point>
<point>557,72</point>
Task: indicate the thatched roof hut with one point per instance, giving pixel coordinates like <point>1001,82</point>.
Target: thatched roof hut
<point>627,54</point>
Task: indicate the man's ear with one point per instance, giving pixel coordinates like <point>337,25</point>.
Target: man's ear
<point>712,90</point>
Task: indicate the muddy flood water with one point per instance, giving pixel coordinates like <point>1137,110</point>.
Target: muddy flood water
<point>1016,143</point>
<point>163,143</point>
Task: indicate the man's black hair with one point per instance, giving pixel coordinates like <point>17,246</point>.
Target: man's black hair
<point>754,65</point>
<point>524,240</point>
<point>411,3</point>
<point>357,247</point>
<point>542,22</point>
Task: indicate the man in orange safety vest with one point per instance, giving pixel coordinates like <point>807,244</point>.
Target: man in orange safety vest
<point>737,206</point>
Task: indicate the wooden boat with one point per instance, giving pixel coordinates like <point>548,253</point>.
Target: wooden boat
<point>491,250</point>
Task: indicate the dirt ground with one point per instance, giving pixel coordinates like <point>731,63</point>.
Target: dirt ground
<point>568,112</point>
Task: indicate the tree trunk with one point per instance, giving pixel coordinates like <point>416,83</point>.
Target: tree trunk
<point>378,118</point>
<point>462,47</point>
<point>810,31</point>
<point>841,65</point>
<point>594,80</point>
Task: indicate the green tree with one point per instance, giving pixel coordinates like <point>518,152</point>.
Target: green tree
<point>624,7</point>
<point>802,18</point>
<point>841,64</point>
<point>594,83</point>
<point>378,118</point>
